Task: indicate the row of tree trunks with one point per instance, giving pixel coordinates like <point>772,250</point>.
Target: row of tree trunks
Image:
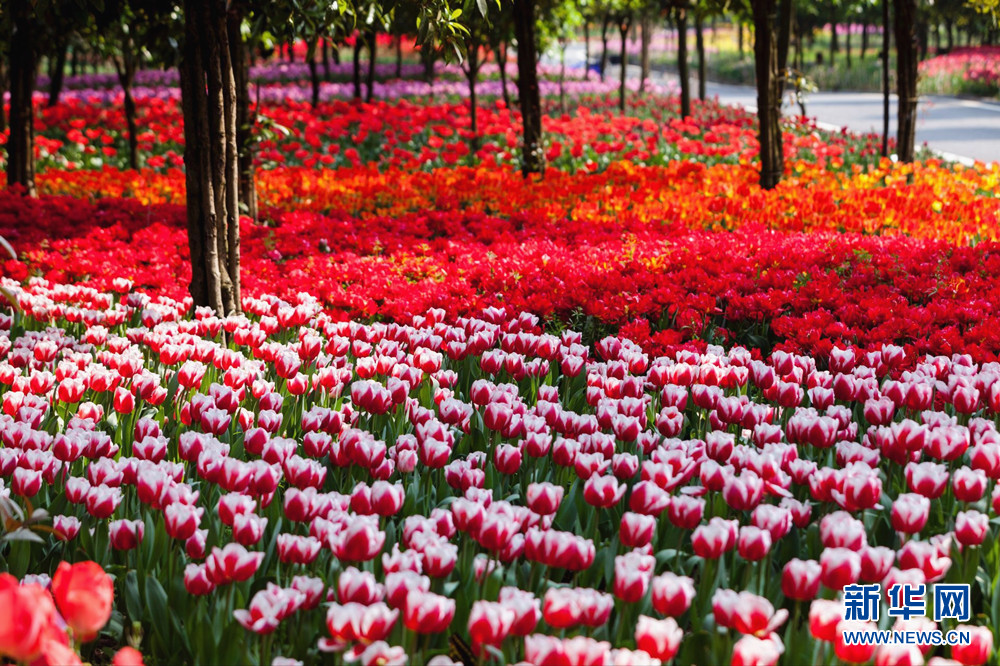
<point>533,159</point>
<point>208,99</point>
<point>23,63</point>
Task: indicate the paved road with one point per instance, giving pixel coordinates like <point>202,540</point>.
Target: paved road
<point>960,129</point>
<point>956,127</point>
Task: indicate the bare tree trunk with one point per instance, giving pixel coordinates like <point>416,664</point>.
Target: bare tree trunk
<point>57,72</point>
<point>624,23</point>
<point>886,44</point>
<point>471,67</point>
<point>950,34</point>
<point>245,118</point>
<point>604,44</point>
<point>326,59</point>
<point>847,46</point>
<point>23,64</point>
<point>125,66</point>
<point>739,39</point>
<point>645,36</point>
<point>680,18</point>
<point>562,76</point>
<point>313,72</point>
<point>906,77</point>
<point>427,58</point>
<point>834,46</point>
<point>864,37</point>
<point>208,96</point>
<point>498,44</point>
<point>768,93</point>
<point>699,45</point>
<point>3,89</point>
<point>372,52</point>
<point>533,160</point>
<point>357,66</point>
<point>399,56</point>
<point>586,46</point>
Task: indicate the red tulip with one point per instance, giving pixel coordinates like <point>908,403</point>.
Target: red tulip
<point>672,594</point>
<point>910,512</point>
<point>427,613</point>
<point>824,616</point>
<point>489,623</point>
<point>971,527</point>
<point>978,651</point>
<point>232,563</point>
<point>753,543</point>
<point>636,530</point>
<point>855,654</point>
<point>660,639</point>
<point>800,579</point>
<point>754,651</point>
<point>84,595</point>
<point>126,534</point>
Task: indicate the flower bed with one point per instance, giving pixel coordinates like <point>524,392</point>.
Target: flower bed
<point>964,71</point>
<point>281,483</point>
<point>88,131</point>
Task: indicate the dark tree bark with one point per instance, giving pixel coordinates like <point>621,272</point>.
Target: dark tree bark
<point>3,89</point>
<point>562,76</point>
<point>471,67</point>
<point>699,46</point>
<point>886,44</point>
<point>605,24</point>
<point>498,44</point>
<point>847,46</point>
<point>680,18</point>
<point>645,36</point>
<point>533,159</point>
<point>208,97</point>
<point>586,45</point>
<point>624,23</point>
<point>23,61</point>
<point>427,59</point>
<point>246,118</point>
<point>399,56</point>
<point>834,44</point>
<point>906,77</point>
<point>326,59</point>
<point>57,72</point>
<point>786,11</point>
<point>765,15</point>
<point>125,66</point>
<point>74,61</point>
<point>313,73</point>
<point>864,38</point>
<point>372,53</point>
<point>739,38</point>
<point>358,45</point>
<point>949,26</point>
